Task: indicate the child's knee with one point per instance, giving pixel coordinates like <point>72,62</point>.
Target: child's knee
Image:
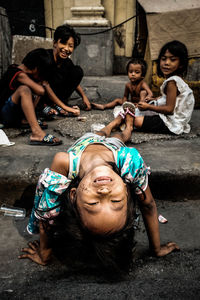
<point>138,121</point>
<point>24,89</point>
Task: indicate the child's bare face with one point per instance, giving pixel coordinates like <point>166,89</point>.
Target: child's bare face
<point>102,200</point>
<point>134,72</point>
<point>169,64</point>
<point>63,51</point>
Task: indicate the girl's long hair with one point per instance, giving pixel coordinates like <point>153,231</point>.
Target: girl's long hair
<point>113,251</point>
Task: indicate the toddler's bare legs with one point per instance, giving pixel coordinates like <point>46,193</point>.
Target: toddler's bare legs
<point>111,104</point>
<point>98,106</point>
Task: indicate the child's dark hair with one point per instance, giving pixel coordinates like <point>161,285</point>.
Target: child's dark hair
<point>139,61</point>
<point>39,58</point>
<point>64,32</point>
<point>113,250</point>
<point>177,49</point>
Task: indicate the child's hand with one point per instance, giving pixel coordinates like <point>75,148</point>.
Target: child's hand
<point>75,110</point>
<point>143,105</point>
<point>148,99</point>
<point>166,249</point>
<point>38,251</point>
<point>45,83</point>
<point>87,103</point>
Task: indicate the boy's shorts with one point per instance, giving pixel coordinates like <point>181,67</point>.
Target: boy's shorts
<point>11,113</point>
<point>154,124</point>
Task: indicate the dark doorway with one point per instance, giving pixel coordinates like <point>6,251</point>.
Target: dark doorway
<point>26,17</point>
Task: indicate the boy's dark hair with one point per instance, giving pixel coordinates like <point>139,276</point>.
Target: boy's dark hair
<point>177,49</point>
<point>139,61</point>
<point>113,251</point>
<point>39,58</point>
<point>64,32</point>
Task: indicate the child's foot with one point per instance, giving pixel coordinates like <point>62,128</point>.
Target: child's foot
<point>103,132</point>
<point>106,131</point>
<point>129,108</point>
<point>129,122</point>
<point>98,106</point>
<point>39,137</point>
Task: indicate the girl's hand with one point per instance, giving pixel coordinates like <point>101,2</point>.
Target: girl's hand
<point>166,249</point>
<point>38,252</point>
<point>148,99</point>
<point>143,105</point>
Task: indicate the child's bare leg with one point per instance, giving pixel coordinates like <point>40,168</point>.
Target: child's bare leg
<point>138,121</point>
<point>111,104</point>
<point>106,131</point>
<point>23,94</point>
<point>98,106</point>
<point>125,135</point>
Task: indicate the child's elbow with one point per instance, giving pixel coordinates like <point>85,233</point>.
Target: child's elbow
<point>41,91</point>
<point>170,112</point>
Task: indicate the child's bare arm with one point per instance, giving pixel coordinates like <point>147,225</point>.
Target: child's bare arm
<point>60,163</point>
<point>38,251</point>
<point>84,97</point>
<point>168,109</point>
<point>150,217</point>
<point>127,91</point>
<point>52,96</point>
<point>149,94</point>
<point>37,88</point>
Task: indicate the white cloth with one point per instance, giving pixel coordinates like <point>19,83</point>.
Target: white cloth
<point>178,122</point>
<point>4,141</point>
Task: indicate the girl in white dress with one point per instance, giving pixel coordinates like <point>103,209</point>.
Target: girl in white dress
<point>175,110</point>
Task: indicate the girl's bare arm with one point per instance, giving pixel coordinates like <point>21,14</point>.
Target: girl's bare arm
<point>150,217</point>
<point>168,109</point>
<point>40,251</point>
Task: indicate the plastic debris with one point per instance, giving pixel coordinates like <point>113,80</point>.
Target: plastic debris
<point>97,127</point>
<point>162,219</point>
<point>82,119</point>
<point>13,211</point>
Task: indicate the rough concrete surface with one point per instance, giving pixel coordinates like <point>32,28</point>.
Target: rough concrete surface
<point>175,181</point>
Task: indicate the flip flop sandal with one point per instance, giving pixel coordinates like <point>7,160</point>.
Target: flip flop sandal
<point>46,113</point>
<point>48,140</point>
<point>122,115</point>
<point>59,109</point>
<point>27,126</point>
<point>129,108</point>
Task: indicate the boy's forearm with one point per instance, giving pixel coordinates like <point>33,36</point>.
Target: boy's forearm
<point>80,91</point>
<point>52,96</point>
